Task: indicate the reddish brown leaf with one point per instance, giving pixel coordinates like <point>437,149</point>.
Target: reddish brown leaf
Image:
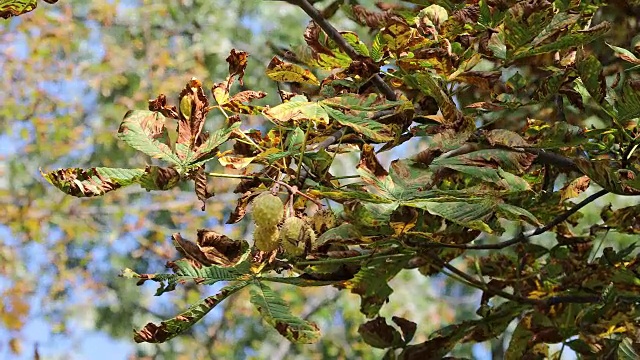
<point>372,19</point>
<point>200,179</point>
<point>312,36</point>
<point>161,178</point>
<point>220,249</point>
<point>160,104</point>
<point>248,95</point>
<point>237,64</point>
<point>407,327</point>
<point>193,110</point>
<point>241,207</point>
<point>190,250</point>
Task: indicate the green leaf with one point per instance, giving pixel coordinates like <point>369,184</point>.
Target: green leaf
<point>208,275</point>
<point>559,22</point>
<point>370,102</point>
<point>428,85</point>
<point>568,41</point>
<point>169,329</point>
<point>9,8</point>
<point>340,195</point>
<point>372,284</point>
<point>92,182</point>
<point>465,213</point>
<point>207,150</point>
<point>625,54</point>
<point>628,102</point>
<point>506,159</point>
<point>590,71</point>
<point>357,45</point>
<point>516,213</point>
<point>361,124</point>
<point>377,47</point>
<point>276,313</point>
<point>144,131</point>
<point>297,110</point>
<point>185,270</point>
<point>497,45</point>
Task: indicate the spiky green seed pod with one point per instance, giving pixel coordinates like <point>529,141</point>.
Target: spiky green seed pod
<point>268,210</point>
<point>266,238</point>
<point>296,236</point>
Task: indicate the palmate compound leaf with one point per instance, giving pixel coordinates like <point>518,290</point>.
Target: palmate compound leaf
<point>153,333</point>
<point>276,313</point>
<point>144,131</point>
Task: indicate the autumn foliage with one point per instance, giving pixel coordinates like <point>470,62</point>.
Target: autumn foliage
<point>490,107</point>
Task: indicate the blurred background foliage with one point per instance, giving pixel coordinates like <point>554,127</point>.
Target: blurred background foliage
<point>70,71</point>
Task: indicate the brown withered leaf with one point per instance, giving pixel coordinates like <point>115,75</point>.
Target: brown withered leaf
<point>193,110</point>
<point>312,38</point>
<point>237,60</point>
<point>248,184</point>
<point>379,334</point>
<point>484,80</point>
<point>407,327</point>
<point>82,182</point>
<point>248,95</point>
<point>237,102</point>
<point>468,14</point>
<point>372,19</point>
<point>200,179</point>
<point>161,178</point>
<point>190,250</point>
<point>220,249</point>
<point>160,104</point>
<point>241,207</point>
<point>369,162</point>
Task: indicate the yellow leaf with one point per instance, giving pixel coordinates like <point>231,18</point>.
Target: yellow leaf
<point>281,71</point>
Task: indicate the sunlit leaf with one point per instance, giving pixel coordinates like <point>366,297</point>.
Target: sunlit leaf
<point>93,181</point>
<point>297,110</point>
<point>280,71</point>
<point>145,131</point>
<point>9,8</point>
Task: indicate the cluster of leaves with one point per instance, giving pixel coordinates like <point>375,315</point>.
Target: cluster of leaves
<point>453,72</point>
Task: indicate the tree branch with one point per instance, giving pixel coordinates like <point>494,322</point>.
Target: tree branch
<point>524,236</point>
<point>334,35</point>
